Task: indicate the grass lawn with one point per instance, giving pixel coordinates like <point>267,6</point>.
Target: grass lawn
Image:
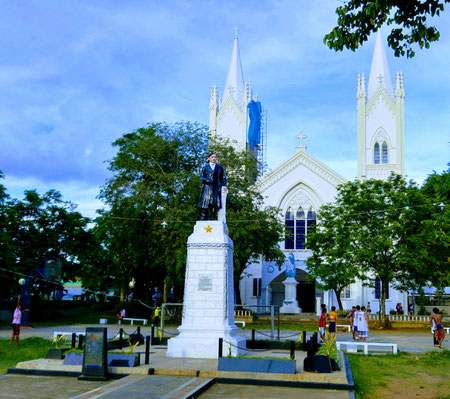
<point>32,348</point>
<point>283,326</point>
<point>406,375</point>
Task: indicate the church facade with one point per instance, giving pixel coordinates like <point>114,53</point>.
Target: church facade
<point>302,184</point>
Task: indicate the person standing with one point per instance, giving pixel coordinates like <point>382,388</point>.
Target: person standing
<point>156,317</point>
<point>322,323</point>
<point>439,328</point>
<point>355,322</point>
<point>433,332</point>
<point>363,324</point>
<point>368,310</point>
<point>351,316</point>
<point>121,316</point>
<point>332,319</point>
<point>17,317</point>
<point>214,181</point>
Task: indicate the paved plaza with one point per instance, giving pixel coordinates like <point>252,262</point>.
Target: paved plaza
<point>181,378</point>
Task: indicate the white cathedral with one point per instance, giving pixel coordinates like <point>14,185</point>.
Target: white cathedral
<point>302,184</point>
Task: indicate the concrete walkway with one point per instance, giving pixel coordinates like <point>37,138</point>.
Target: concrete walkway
<point>181,378</point>
<point>408,341</point>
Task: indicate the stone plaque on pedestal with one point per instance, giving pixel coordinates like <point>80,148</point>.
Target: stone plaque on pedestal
<point>95,366</point>
<point>208,305</point>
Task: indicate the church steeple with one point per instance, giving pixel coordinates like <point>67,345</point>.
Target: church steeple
<point>380,120</point>
<point>234,85</point>
<point>379,72</point>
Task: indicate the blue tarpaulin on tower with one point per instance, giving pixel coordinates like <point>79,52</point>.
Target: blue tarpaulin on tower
<point>254,130</point>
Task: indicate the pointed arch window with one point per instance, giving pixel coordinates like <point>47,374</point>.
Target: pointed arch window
<point>300,229</point>
<point>296,228</point>
<point>376,153</point>
<point>311,219</point>
<point>289,229</point>
<point>378,289</point>
<point>384,153</point>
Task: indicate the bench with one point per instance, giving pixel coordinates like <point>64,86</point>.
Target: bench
<point>347,326</point>
<point>144,321</point>
<point>240,322</point>
<point>366,345</point>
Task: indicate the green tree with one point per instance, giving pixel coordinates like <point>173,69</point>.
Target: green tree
<point>331,263</point>
<point>41,227</point>
<point>152,205</point>
<point>151,200</point>
<point>427,231</point>
<point>7,247</point>
<point>366,235</point>
<point>357,19</point>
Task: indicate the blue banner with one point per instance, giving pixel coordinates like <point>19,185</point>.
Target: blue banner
<point>254,129</point>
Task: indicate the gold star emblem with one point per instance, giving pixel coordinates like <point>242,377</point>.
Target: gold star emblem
<point>208,228</point>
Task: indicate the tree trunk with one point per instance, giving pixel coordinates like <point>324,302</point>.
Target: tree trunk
<point>122,292</point>
<point>338,297</point>
<point>383,320</point>
<point>165,293</point>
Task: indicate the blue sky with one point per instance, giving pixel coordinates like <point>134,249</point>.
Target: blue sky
<point>76,75</point>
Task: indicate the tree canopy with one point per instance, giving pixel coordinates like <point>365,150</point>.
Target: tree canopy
<point>36,229</point>
<point>357,19</point>
<point>389,230</point>
<point>151,204</point>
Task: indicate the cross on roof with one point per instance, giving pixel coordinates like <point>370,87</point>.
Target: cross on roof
<point>235,32</point>
<point>301,136</point>
<point>380,78</point>
<point>230,89</point>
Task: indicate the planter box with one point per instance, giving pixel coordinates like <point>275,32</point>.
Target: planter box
<point>114,359</point>
<point>334,365</point>
<point>73,359</point>
<point>125,360</point>
<point>322,364</point>
<point>256,365</point>
<point>56,353</point>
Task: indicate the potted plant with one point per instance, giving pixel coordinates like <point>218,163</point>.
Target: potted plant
<point>57,352</point>
<point>327,357</point>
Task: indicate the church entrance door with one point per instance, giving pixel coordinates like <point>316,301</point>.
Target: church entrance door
<point>306,296</point>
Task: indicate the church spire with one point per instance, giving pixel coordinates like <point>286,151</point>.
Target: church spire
<point>379,72</point>
<point>234,85</point>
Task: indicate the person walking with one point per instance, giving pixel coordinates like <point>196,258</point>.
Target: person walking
<point>433,332</point>
<point>439,331</point>
<point>17,318</point>
<point>351,316</point>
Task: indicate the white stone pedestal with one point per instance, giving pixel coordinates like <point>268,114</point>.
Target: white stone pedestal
<point>208,306</point>
<point>290,304</point>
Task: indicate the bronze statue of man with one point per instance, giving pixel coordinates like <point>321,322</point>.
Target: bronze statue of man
<point>214,181</point>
